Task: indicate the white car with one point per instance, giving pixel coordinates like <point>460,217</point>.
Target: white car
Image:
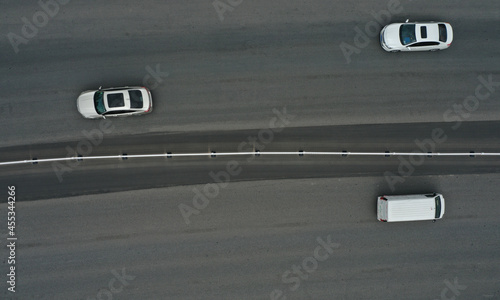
<point>416,36</point>
<point>115,102</point>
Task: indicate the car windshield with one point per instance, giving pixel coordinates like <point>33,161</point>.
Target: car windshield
<point>135,99</point>
<point>407,34</point>
<point>99,103</point>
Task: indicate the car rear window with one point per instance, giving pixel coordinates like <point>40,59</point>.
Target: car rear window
<point>135,99</point>
<point>443,34</point>
<point>115,100</point>
<point>407,34</point>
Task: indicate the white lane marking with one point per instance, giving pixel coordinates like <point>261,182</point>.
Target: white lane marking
<point>247,153</point>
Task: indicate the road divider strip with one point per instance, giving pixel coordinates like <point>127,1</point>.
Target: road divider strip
<point>255,153</point>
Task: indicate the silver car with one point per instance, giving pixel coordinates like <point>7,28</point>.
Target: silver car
<point>115,102</point>
<point>416,36</point>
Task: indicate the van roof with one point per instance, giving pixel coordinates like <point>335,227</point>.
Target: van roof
<point>411,197</point>
<point>420,208</point>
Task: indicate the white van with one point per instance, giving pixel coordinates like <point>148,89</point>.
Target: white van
<point>410,207</point>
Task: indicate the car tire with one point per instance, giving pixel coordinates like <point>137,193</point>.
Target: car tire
<point>395,51</point>
<point>434,50</point>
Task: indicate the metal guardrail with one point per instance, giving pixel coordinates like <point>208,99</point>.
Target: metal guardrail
<point>256,153</point>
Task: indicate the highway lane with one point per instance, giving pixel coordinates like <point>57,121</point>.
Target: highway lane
<point>245,240</point>
<point>232,74</point>
<point>279,136</point>
<point>49,180</point>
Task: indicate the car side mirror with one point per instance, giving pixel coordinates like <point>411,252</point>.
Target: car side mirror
<point>407,20</point>
<point>104,117</point>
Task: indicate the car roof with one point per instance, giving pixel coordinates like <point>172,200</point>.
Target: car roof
<point>125,99</point>
<point>110,106</point>
<point>431,30</point>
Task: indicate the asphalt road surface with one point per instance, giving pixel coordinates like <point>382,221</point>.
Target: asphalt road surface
<point>251,234</point>
<point>49,180</point>
<point>220,81</point>
<point>227,75</point>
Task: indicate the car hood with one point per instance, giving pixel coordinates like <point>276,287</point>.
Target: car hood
<point>391,35</point>
<point>85,104</point>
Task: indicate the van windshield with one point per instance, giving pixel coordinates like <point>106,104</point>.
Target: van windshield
<point>438,207</point>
